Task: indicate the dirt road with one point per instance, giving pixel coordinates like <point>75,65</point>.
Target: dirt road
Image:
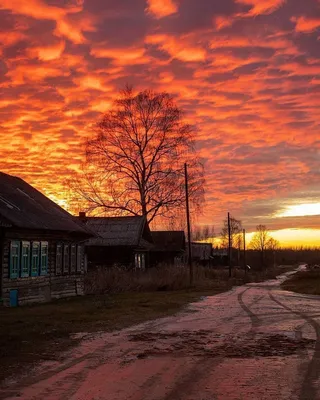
<point>253,342</point>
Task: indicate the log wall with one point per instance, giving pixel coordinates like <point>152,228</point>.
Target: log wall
<point>40,289</point>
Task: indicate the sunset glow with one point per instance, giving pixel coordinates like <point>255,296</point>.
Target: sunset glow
<point>246,73</point>
<point>301,210</point>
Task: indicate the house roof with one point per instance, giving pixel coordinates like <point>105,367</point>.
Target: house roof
<point>119,231</point>
<point>168,240</point>
<point>23,206</point>
<point>201,251</point>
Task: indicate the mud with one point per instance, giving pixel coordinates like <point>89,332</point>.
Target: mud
<point>253,342</point>
<point>205,344</point>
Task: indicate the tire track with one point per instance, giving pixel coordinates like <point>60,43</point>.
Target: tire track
<point>255,320</point>
<point>308,389</point>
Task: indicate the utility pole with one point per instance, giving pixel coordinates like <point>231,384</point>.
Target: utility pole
<point>244,252</point>
<point>188,224</point>
<point>229,244</point>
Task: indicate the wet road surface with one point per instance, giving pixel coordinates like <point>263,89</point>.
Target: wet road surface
<point>253,342</point>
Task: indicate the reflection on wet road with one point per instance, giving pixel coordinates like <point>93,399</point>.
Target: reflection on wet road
<point>253,342</point>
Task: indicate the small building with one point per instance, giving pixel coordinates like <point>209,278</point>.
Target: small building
<point>201,253</point>
<point>169,247</point>
<point>219,257</point>
<point>119,241</point>
<point>42,252</point>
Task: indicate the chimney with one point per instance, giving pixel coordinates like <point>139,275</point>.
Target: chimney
<point>82,215</point>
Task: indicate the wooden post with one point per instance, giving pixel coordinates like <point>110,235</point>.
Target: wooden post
<point>188,224</point>
<point>244,252</point>
<point>229,244</point>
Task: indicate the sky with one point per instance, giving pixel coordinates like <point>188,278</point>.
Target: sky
<point>246,73</point>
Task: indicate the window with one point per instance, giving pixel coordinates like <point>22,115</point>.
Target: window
<point>44,258</point>
<point>79,258</point>
<point>59,259</point>
<point>35,250</point>
<point>140,261</point>
<point>14,259</point>
<point>66,259</point>
<point>73,261</point>
<point>25,259</point>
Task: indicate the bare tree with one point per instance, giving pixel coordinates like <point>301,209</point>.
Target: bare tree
<point>235,229</point>
<point>273,245</point>
<point>205,232</point>
<point>134,161</point>
<point>260,241</point>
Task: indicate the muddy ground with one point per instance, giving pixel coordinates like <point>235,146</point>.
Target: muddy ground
<point>253,342</point>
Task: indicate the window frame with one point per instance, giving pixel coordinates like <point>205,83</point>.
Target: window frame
<point>35,244</point>
<point>44,271</point>
<point>73,258</point>
<point>79,258</point>
<point>14,244</point>
<point>25,245</point>
<point>66,271</point>
<point>59,268</point>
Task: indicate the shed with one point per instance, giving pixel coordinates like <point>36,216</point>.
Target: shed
<point>169,247</point>
<point>42,252</point>
<point>201,252</point>
<point>120,241</point>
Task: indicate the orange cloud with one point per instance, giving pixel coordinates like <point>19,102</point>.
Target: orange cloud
<point>161,8</point>
<point>121,56</point>
<point>262,6</point>
<point>182,48</point>
<point>222,22</point>
<point>65,27</point>
<point>48,53</point>
<point>306,25</point>
<point>250,89</point>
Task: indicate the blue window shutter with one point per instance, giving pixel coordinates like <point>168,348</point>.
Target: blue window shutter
<point>35,250</point>
<point>14,267</point>
<point>44,258</point>
<point>25,259</point>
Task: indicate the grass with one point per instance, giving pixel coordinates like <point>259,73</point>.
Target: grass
<point>41,332</point>
<point>307,282</point>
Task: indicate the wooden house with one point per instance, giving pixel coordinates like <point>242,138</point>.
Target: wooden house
<point>201,253</point>
<point>119,241</point>
<point>169,247</point>
<point>219,257</point>
<point>42,253</point>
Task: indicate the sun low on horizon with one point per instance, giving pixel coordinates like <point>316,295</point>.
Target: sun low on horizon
<point>246,73</point>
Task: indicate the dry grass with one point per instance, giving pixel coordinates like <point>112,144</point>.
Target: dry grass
<point>307,282</point>
<point>171,278</point>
